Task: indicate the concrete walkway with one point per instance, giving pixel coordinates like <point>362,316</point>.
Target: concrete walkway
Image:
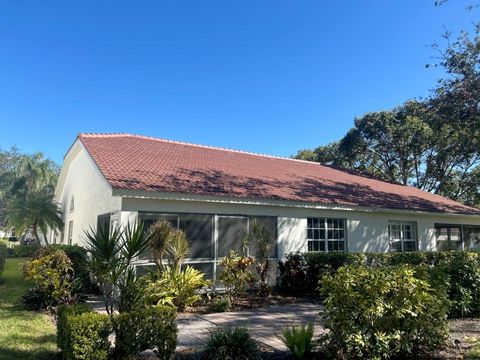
<point>264,324</point>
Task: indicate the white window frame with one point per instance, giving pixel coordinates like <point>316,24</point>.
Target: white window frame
<point>326,239</point>
<point>401,238</point>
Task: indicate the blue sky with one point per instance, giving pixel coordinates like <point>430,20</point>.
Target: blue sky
<point>264,76</point>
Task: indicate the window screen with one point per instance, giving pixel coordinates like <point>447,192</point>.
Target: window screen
<point>199,231</point>
<point>270,225</point>
<point>103,221</point>
<point>231,232</point>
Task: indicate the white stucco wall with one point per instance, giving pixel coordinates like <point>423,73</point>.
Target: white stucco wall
<point>81,179</point>
<point>366,231</point>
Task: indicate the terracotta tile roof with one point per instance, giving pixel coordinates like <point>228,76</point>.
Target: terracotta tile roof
<point>143,163</point>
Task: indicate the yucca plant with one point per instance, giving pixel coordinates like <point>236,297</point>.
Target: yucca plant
<point>298,339</point>
<point>111,254</point>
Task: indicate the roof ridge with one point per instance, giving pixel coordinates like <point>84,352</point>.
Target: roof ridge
<point>202,146</point>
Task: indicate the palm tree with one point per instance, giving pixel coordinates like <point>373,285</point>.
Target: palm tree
<point>36,211</point>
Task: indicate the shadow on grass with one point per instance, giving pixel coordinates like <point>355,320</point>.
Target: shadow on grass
<point>18,354</point>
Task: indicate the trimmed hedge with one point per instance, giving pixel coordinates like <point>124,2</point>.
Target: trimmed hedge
<point>459,272</point>
<point>83,334</point>
<point>144,329</point>
<point>3,257</point>
<point>25,250</point>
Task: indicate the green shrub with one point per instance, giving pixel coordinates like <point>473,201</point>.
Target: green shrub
<point>87,335</point>
<point>300,273</point>
<point>3,257</point>
<point>220,304</point>
<point>236,274</point>
<point>231,344</point>
<point>61,315</point>
<point>298,339</point>
<point>177,288</point>
<point>144,329</point>
<point>380,312</point>
<point>53,276</point>
<point>26,250</point>
<point>78,257</point>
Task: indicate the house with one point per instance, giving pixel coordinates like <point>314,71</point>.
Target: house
<point>213,194</point>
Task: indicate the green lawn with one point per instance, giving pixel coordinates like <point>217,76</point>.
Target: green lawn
<point>24,335</point>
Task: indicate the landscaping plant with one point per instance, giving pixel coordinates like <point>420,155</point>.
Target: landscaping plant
<point>298,339</point>
<point>111,256</point>
<point>380,313</point>
<point>176,287</point>
<point>150,328</point>
<point>263,242</point>
<point>231,344</point>
<point>236,274</point>
<point>54,280</point>
<point>159,234</point>
<point>3,257</point>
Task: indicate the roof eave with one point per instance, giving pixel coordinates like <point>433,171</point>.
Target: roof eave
<point>142,194</point>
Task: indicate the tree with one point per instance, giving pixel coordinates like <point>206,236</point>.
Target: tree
<point>36,211</point>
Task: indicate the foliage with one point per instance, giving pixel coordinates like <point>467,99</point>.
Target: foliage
<point>53,275</point>
<point>177,288</point>
<point>86,336</point>
<point>378,313</point>
<point>24,335</point>
<point>236,275</point>
<point>36,299</point>
<point>263,242</point>
<point>130,292</point>
<point>159,233</point>
<point>3,257</point>
<point>301,273</point>
<point>220,304</point>
<point>231,344</point>
<point>35,211</point>
<point>62,313</point>
<point>144,329</point>
<point>176,248</point>
<point>298,339</point>
<point>26,250</point>
<point>23,173</point>
<point>432,144</point>
<point>78,257</point>
<point>111,255</point>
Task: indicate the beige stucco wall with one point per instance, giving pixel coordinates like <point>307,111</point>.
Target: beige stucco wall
<point>92,195</point>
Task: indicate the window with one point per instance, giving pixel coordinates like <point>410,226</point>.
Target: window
<point>326,235</point>
<point>402,235</point>
<point>70,232</point>
<point>449,237</point>
<point>72,205</point>
<point>103,222</point>
<point>231,233</point>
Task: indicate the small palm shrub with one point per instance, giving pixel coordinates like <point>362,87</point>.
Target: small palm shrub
<point>298,339</point>
<point>231,344</point>
<point>380,313</point>
<point>177,288</point>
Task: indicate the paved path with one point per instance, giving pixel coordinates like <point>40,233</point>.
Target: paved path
<point>264,324</point>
